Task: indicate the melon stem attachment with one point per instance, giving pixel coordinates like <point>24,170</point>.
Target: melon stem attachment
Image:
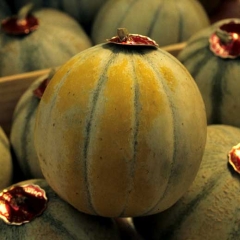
<point>22,14</point>
<point>21,24</point>
<point>225,41</point>
<point>125,38</point>
<point>224,36</point>
<point>123,34</point>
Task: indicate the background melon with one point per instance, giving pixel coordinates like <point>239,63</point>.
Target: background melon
<point>22,129</point>
<point>83,11</point>
<point>210,208</point>
<point>57,38</point>
<point>167,22</point>
<point>60,221</point>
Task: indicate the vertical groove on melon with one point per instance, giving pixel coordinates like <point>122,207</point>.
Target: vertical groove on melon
<point>217,94</point>
<point>180,22</point>
<point>135,127</point>
<point>88,129</point>
<point>127,10</point>
<point>213,99</point>
<point>154,19</point>
<point>117,96</point>
<point>191,206</point>
<point>168,92</point>
<point>64,107</point>
<point>26,139</point>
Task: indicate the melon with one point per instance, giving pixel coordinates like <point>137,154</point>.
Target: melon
<point>58,221</point>
<point>118,128</point>
<point>167,22</point>
<point>212,59</point>
<point>83,11</point>
<point>210,208</point>
<point>22,129</point>
<point>55,39</point>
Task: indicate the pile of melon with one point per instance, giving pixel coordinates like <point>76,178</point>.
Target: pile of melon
<point>121,139</point>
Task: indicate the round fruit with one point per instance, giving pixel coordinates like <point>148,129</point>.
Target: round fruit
<point>22,130</point>
<point>54,39</point>
<point>119,127</point>
<point>83,11</point>
<point>58,220</point>
<point>210,208</point>
<point>212,58</point>
<point>167,22</point>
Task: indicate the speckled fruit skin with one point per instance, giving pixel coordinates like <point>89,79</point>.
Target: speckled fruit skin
<point>60,221</point>
<point>167,22</point>
<point>6,169</point>
<point>118,129</point>
<point>217,78</point>
<point>57,39</point>
<point>210,208</point>
<point>22,130</point>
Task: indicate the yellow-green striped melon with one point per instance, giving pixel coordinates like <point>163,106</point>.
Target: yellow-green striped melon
<point>210,208</point>
<point>60,221</point>
<point>6,168</point>
<point>118,129</point>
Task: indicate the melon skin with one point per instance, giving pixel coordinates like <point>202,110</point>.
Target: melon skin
<point>6,170</point>
<point>22,130</point>
<point>57,39</point>
<point>117,130</point>
<point>217,78</point>
<point>60,221</point>
<point>167,22</point>
<point>83,11</point>
<point>210,208</point>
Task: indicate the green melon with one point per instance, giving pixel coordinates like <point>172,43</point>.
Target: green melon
<point>210,208</point>
<point>57,38</point>
<point>60,221</point>
<point>217,77</point>
<point>166,21</point>
<point>83,11</point>
<point>22,129</point>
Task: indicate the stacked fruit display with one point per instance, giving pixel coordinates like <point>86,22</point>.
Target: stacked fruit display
<point>118,139</point>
